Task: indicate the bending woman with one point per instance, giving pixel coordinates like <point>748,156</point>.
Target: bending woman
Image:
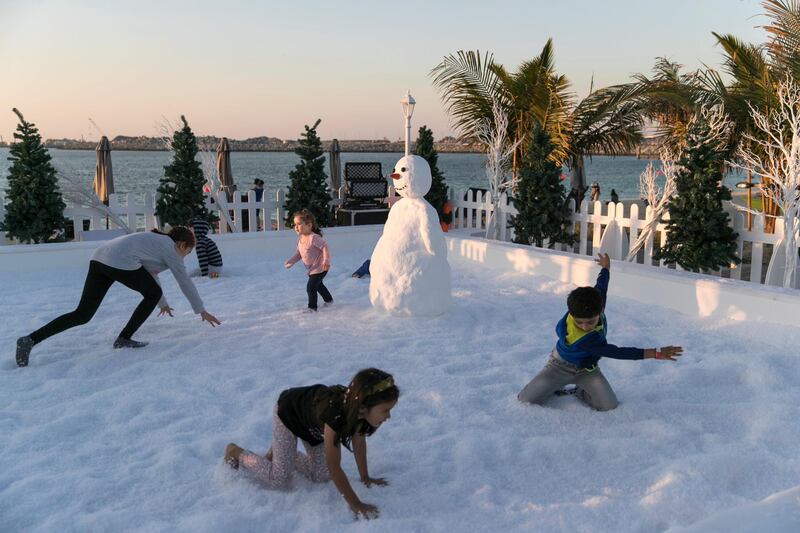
<point>135,261</point>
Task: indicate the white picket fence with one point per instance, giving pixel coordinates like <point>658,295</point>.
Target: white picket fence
<point>613,228</point>
<point>609,228</point>
<point>137,211</point>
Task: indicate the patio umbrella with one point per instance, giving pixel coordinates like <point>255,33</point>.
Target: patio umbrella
<point>224,168</point>
<point>334,159</point>
<point>103,184</point>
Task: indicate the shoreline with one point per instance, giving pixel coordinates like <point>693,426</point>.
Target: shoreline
<point>348,150</point>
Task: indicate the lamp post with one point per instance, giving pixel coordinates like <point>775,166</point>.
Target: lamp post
<point>408,110</point>
<point>749,186</point>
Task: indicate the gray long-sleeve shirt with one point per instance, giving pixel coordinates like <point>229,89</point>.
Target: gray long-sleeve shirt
<point>155,253</point>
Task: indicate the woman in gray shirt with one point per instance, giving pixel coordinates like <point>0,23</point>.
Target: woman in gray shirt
<point>135,261</point>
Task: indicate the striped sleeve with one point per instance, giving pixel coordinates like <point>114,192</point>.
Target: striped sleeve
<point>202,256</point>
<point>212,252</point>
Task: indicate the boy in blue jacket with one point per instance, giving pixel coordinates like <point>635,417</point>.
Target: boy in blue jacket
<point>581,344</point>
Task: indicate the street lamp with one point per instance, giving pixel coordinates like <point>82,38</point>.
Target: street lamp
<point>408,110</point>
<point>748,185</point>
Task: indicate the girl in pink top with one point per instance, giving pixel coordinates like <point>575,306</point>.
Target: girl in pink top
<point>313,250</point>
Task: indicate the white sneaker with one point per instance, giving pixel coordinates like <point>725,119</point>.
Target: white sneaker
<point>327,304</point>
<point>308,310</point>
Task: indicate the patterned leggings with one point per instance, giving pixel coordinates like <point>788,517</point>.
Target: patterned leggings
<point>277,474</point>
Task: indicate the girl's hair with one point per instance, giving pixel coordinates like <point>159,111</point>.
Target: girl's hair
<point>368,388</point>
<point>180,234</point>
<point>308,218</point>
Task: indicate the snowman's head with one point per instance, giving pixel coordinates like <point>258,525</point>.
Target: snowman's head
<point>412,177</point>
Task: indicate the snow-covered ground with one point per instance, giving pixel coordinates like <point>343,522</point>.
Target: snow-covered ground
<point>95,439</point>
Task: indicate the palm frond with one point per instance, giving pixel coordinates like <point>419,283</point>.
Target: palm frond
<point>609,121</point>
<point>784,35</point>
<point>468,84</point>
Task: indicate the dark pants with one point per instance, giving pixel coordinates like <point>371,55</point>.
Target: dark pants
<point>315,286</point>
<point>98,281</point>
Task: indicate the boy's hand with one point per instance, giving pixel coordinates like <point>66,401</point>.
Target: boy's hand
<point>604,261</point>
<point>287,264</point>
<point>668,352</point>
<point>326,266</point>
<point>166,310</point>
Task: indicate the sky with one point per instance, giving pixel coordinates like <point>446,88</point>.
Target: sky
<point>245,69</point>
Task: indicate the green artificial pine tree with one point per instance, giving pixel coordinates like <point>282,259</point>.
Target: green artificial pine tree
<point>437,196</point>
<point>308,188</point>
<point>35,212</point>
<point>540,197</point>
<point>699,232</point>
<point>180,190</point>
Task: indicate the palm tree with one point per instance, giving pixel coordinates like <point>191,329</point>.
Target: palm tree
<point>607,120</point>
<point>669,100</point>
<point>754,71</point>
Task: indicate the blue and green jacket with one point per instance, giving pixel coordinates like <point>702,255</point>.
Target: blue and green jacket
<point>587,350</point>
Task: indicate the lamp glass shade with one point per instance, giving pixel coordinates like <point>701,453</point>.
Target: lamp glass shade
<point>408,105</point>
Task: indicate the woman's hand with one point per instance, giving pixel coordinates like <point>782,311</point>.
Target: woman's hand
<point>326,266</point>
<point>166,310</point>
<point>369,481</point>
<point>364,510</point>
<point>211,319</point>
<point>287,264</point>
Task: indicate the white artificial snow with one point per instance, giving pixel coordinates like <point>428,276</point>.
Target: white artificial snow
<point>409,270</point>
<point>96,439</point>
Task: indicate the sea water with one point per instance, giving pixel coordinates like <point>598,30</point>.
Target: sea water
<point>140,171</point>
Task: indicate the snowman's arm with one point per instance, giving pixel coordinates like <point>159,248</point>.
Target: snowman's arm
<point>425,233</point>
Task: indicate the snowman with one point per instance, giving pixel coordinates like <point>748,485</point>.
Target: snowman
<point>409,270</point>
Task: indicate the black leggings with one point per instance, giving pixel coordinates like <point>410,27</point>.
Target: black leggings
<point>315,286</point>
<point>98,281</point>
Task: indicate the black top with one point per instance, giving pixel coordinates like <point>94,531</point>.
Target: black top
<point>306,410</point>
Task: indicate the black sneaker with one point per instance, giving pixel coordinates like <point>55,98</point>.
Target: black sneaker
<point>128,343</point>
<point>566,392</point>
<point>24,347</point>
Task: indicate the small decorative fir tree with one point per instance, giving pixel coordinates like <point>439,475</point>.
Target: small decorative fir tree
<point>699,232</point>
<point>308,186</point>
<point>181,188</point>
<point>35,212</point>
<point>540,197</point>
<point>437,196</point>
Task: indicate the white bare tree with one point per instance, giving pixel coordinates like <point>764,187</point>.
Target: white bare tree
<point>206,152</point>
<point>76,192</point>
<point>493,135</point>
<point>774,155</point>
<point>657,198</point>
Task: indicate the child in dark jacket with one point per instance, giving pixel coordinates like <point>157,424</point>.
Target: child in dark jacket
<point>581,344</point>
<point>208,255</point>
<point>323,418</point>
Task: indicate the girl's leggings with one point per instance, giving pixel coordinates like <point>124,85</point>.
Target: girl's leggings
<point>277,474</point>
<point>98,281</point>
<point>315,286</point>
<point>593,388</point>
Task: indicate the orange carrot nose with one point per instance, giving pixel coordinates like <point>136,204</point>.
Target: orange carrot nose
<point>395,176</point>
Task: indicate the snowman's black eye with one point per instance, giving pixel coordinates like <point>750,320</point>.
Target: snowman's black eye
<point>403,169</point>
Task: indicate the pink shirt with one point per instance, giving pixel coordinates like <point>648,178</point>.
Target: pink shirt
<point>313,250</point>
